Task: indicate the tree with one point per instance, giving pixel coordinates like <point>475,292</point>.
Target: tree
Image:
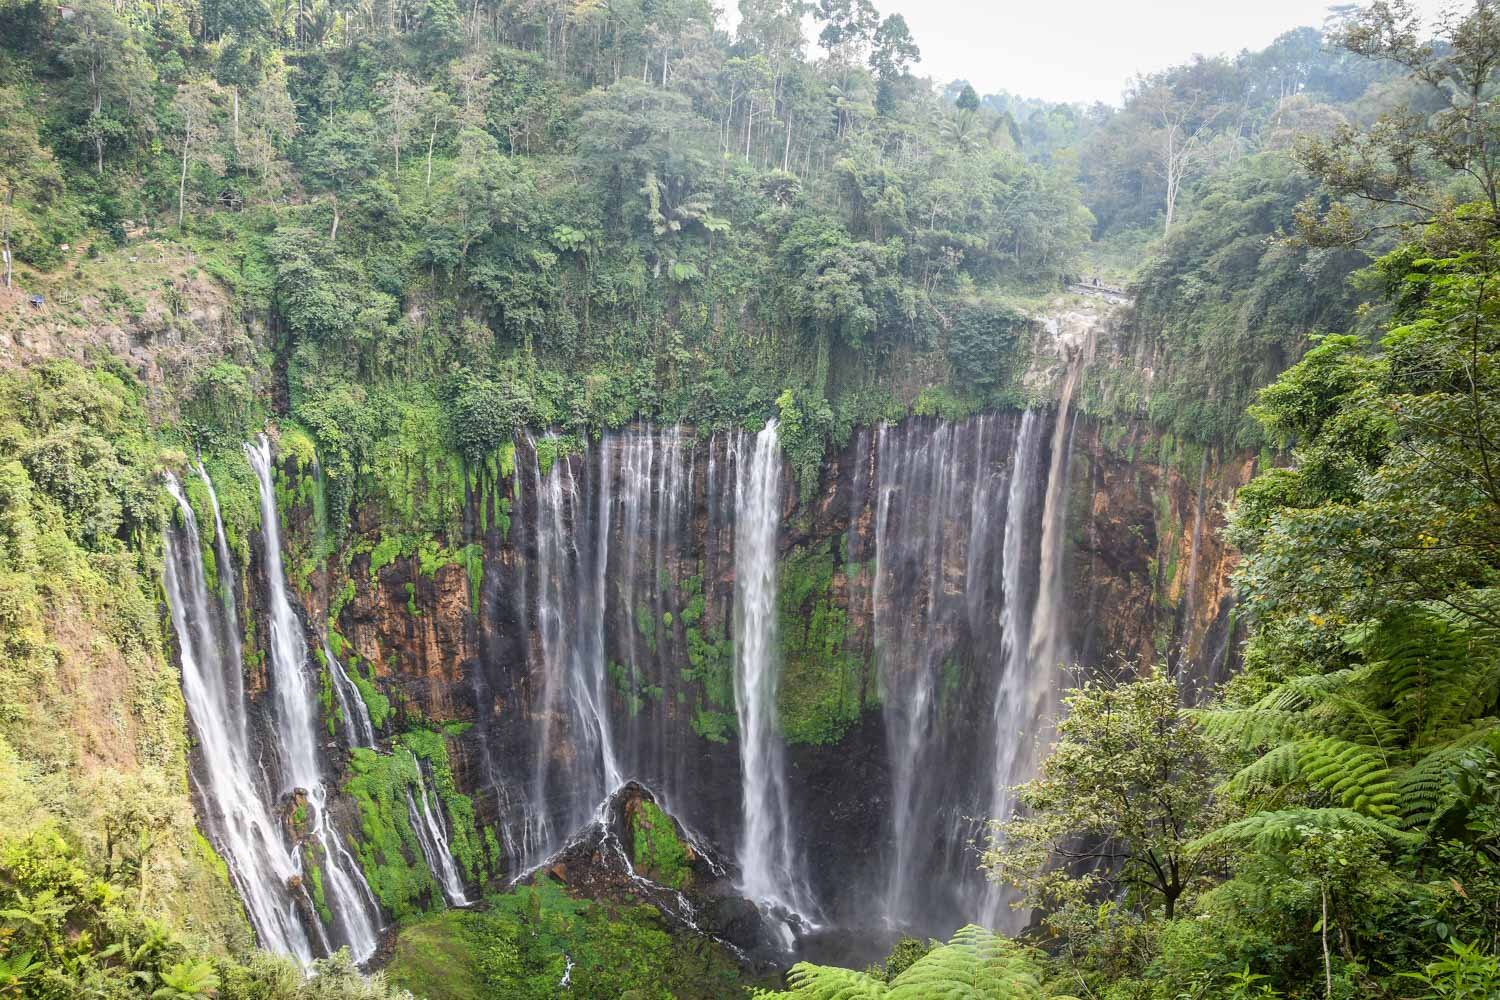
<point>1398,163</point>
<point>1127,787</point>
<point>1185,120</point>
<point>401,102</point>
<point>25,167</point>
<point>968,100</point>
<point>111,74</point>
<point>196,133</point>
<point>892,55</point>
<point>848,27</point>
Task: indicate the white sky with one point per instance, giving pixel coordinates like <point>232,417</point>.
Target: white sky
<point>1085,50</point>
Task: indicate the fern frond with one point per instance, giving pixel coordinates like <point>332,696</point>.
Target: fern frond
<point>1415,656</point>
<point>1358,721</point>
<point>1252,727</point>
<point>1300,693</point>
<point>1425,788</point>
<point>976,964</point>
<point>1357,776</point>
<point>825,982</point>
<point>1275,769</point>
<point>1272,832</point>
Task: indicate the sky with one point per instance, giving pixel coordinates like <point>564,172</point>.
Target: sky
<point>1087,50</point>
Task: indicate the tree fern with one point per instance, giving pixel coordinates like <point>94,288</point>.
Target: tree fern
<point>1418,659</point>
<point>976,964</point>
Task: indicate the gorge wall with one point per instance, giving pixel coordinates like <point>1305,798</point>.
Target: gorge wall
<point>832,682</point>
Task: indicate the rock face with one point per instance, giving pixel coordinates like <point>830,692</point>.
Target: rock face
<point>587,637</point>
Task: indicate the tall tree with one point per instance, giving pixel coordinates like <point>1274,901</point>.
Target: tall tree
<point>196,134</point>
<point>110,73</point>
<point>26,167</point>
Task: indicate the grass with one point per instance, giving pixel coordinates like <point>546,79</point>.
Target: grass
<point>434,959</point>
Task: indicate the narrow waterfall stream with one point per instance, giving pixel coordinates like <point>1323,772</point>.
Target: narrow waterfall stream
<point>770,867</point>
<point>352,710</point>
<point>432,835</point>
<point>356,914</point>
<point>235,804</point>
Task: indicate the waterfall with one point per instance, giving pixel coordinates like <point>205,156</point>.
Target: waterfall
<point>576,767</point>
<point>432,836</point>
<point>768,859</point>
<point>1048,630</point>
<point>349,899</point>
<point>1023,690</point>
<point>936,622</point>
<point>235,803</point>
<point>352,709</point>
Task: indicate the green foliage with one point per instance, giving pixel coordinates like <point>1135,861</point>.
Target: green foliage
<point>975,963</point>
<point>387,847</point>
<point>825,676</point>
<point>658,852</point>
<point>525,941</point>
<point>1128,770</point>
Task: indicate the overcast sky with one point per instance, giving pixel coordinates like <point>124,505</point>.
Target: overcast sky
<point>1086,50</point>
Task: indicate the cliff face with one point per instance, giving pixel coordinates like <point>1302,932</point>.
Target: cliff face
<point>588,633</point>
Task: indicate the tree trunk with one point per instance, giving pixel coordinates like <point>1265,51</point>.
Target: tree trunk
<point>1327,965</point>
<point>333,234</point>
<point>236,90</point>
<point>10,193</point>
<point>430,141</point>
<point>187,142</point>
<point>786,152</point>
<point>98,110</point>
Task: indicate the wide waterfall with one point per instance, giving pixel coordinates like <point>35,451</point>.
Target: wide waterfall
<point>639,639</point>
<point>356,914</point>
<point>234,802</point>
<point>767,853</point>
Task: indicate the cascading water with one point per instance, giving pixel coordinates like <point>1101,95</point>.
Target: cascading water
<point>235,804</point>
<point>571,567</point>
<point>355,912</point>
<point>770,869</point>
<point>1048,630</point>
<point>360,731</point>
<point>1023,692</point>
<point>936,606</point>
<point>432,836</point>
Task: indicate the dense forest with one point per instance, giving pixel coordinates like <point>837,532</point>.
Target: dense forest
<point>444,255</point>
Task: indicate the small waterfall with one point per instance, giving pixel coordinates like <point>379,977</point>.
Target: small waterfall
<point>767,857</point>
<point>1024,691</point>
<point>359,730</point>
<point>355,912</point>
<point>235,804</point>
<point>432,835</point>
